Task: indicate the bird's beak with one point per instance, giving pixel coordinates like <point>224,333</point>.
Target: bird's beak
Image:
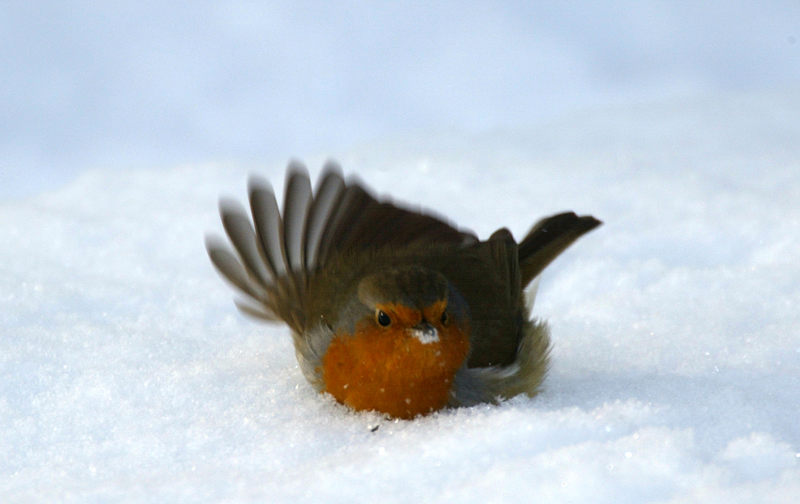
<point>425,333</point>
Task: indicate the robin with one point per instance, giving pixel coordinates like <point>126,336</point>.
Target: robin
<point>391,309</point>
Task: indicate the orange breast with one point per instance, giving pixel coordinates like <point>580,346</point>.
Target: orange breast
<point>387,370</point>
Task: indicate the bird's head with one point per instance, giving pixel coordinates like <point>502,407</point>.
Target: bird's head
<point>408,335</point>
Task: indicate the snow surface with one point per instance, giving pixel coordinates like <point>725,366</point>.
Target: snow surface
<point>127,374</point>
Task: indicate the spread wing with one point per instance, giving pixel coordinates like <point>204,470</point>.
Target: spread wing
<point>487,275</point>
<point>491,276</point>
<point>510,352</point>
<point>548,238</point>
<point>275,254</point>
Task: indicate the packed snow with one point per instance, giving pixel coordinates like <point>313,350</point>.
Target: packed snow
<point>127,373</point>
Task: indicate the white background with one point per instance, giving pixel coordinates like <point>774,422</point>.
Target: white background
<point>131,84</point>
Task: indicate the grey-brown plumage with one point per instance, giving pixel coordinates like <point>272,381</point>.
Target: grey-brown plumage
<point>303,266</point>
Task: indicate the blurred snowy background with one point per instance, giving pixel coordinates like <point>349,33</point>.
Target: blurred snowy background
<point>127,375</point>
<point>116,85</point>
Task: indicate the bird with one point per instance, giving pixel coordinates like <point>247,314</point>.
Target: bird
<point>391,308</point>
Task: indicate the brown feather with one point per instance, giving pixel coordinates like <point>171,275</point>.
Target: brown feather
<point>322,205</point>
<point>301,265</point>
<point>267,220</point>
<point>548,238</point>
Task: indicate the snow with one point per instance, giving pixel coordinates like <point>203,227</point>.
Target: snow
<point>126,373</point>
<point>115,85</point>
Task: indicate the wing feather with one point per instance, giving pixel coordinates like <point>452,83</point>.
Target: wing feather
<point>279,253</point>
<point>267,220</point>
<point>328,194</point>
<point>548,238</point>
<point>230,268</point>
<point>241,234</point>
<point>296,203</point>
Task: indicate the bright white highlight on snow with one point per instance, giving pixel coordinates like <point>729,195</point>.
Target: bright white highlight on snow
<point>126,373</point>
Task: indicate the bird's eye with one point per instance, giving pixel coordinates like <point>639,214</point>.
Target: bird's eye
<point>445,318</point>
<point>383,319</point>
